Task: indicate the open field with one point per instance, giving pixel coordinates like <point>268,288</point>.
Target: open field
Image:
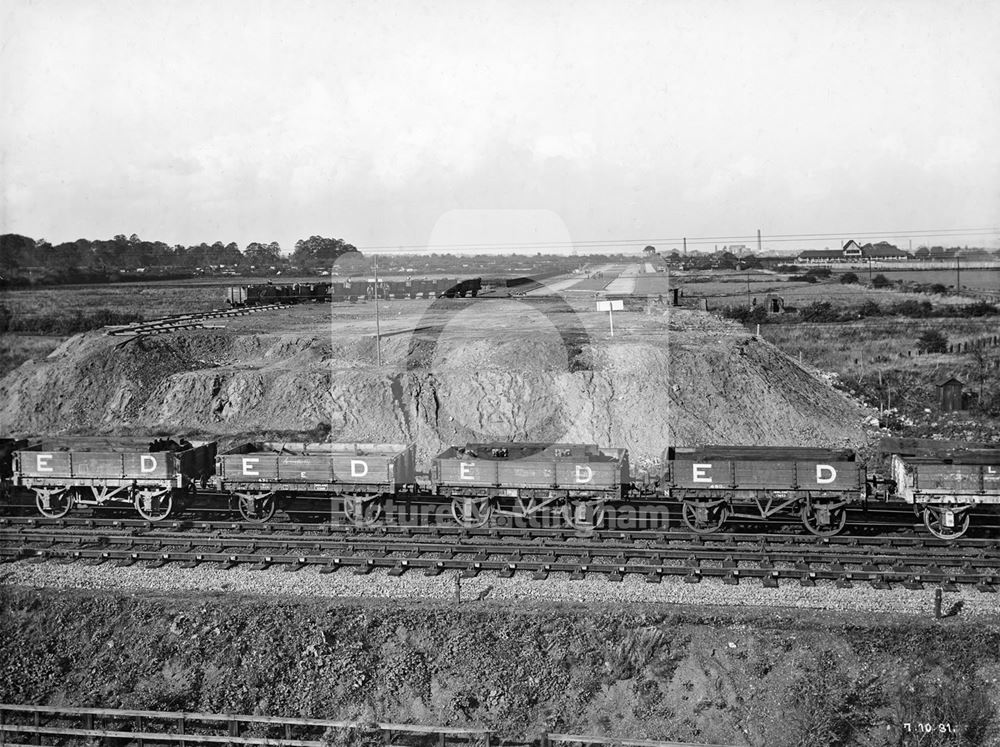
<point>842,347</point>
<point>733,292</point>
<point>981,280</point>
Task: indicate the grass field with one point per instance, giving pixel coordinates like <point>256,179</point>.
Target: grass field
<point>843,347</point>
<point>983,280</point>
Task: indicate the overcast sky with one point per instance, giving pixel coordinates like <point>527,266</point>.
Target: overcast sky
<point>407,123</point>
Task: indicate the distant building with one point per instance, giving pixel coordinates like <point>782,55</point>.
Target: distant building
<point>811,256</point>
<point>883,250</point>
<point>852,251</point>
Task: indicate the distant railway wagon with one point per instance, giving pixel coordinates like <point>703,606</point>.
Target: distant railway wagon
<point>153,476</point>
<point>521,480</point>
<point>263,294</point>
<point>714,483</point>
<point>946,488</point>
<point>351,290</point>
<point>260,476</point>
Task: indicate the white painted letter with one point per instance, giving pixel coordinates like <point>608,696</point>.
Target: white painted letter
<point>830,471</point>
<point>358,468</point>
<point>581,470</point>
<point>248,463</point>
<point>147,463</point>
<point>463,471</point>
<point>698,473</point>
<point>41,465</point>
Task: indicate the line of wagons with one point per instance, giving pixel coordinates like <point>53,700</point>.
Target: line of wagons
<point>476,483</point>
<point>262,294</point>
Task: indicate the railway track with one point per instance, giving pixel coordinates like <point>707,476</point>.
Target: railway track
<point>912,563</point>
<point>56,725</point>
<point>183,321</point>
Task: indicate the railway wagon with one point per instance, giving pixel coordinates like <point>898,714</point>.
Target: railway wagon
<point>151,475</point>
<point>714,483</point>
<point>946,489</point>
<point>521,480</point>
<point>7,448</point>
<point>263,476</point>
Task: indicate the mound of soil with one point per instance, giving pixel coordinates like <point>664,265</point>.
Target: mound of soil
<point>697,381</point>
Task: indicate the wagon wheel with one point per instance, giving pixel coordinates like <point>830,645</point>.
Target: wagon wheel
<point>362,511</point>
<point>54,503</point>
<point>946,523</point>
<point>822,520</point>
<point>471,512</point>
<point>255,508</point>
<point>583,515</point>
<point>704,518</point>
<point>153,504</point>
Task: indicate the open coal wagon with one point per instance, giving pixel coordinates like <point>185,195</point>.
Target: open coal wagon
<point>153,476</point>
<point>574,481</point>
<point>314,477</point>
<point>945,489</point>
<point>715,483</point>
<point>7,448</point>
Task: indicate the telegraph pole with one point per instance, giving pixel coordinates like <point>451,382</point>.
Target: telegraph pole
<point>378,325</point>
<point>685,246</point>
<point>758,242</point>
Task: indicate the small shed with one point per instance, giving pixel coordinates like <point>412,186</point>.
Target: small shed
<point>951,396</point>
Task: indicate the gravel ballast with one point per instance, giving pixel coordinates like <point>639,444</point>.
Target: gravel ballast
<point>309,582</point>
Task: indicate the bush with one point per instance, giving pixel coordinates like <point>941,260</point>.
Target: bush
<point>932,341</point>
<point>820,311</point>
<point>881,281</point>
<point>754,315</point>
<point>869,308</point>
<point>847,278</point>
<point>820,272</point>
<point>916,309</point>
<point>809,278</point>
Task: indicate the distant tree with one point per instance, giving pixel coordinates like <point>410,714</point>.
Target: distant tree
<point>880,281</point>
<point>932,341</point>
<point>262,254</point>
<point>15,250</point>
<point>847,278</point>
<point>939,289</point>
<point>316,251</point>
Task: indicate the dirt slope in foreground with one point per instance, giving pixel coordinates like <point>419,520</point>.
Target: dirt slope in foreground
<point>711,676</point>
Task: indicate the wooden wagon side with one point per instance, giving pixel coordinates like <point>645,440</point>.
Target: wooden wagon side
<point>526,480</point>
<point>261,476</point>
<point>150,475</point>
<point>716,483</point>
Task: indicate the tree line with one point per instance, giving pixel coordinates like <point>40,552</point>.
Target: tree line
<point>22,256</point>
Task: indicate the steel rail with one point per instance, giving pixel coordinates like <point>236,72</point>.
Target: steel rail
<point>658,536</point>
<point>579,560</point>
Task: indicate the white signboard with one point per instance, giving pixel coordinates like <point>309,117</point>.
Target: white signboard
<point>610,305</point>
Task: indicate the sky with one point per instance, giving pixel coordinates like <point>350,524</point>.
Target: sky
<point>527,125</point>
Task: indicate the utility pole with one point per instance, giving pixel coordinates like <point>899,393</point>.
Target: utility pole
<point>378,324</point>
<point>748,289</point>
<point>758,242</point>
<point>958,273</point>
<point>685,246</point>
